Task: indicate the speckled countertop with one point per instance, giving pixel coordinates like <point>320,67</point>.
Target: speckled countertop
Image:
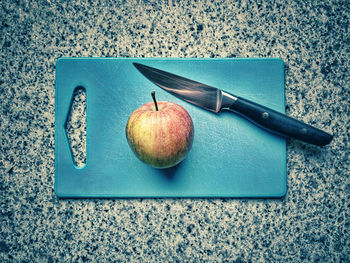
<point>310,224</point>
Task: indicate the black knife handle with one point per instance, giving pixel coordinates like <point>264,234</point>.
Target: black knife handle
<point>280,123</point>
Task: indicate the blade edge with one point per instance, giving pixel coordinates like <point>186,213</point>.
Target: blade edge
<point>184,88</point>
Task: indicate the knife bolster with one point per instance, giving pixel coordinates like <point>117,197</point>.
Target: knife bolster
<point>227,100</point>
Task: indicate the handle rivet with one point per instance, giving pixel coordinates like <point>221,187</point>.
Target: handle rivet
<point>265,115</point>
<point>303,131</point>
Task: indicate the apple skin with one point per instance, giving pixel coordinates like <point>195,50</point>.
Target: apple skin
<point>161,138</point>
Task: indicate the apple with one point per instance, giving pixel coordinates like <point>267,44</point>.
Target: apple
<point>160,133</point>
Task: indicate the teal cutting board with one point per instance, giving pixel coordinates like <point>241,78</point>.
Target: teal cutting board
<point>230,156</point>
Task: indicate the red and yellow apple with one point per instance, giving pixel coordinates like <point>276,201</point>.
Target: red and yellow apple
<point>160,133</point>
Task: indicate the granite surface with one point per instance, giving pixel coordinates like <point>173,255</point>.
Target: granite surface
<point>310,224</point>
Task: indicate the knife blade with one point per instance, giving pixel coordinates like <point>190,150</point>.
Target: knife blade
<point>216,100</point>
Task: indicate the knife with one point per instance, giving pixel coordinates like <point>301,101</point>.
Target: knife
<point>216,100</point>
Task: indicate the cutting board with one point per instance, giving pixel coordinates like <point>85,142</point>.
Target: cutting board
<point>230,156</point>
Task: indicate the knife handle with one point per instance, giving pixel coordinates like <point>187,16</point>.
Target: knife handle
<point>279,123</point>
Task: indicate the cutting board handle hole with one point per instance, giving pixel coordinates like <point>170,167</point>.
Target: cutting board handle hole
<point>75,127</point>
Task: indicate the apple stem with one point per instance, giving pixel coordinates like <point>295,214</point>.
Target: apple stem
<point>153,93</point>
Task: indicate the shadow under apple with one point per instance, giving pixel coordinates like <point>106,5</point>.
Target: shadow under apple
<point>170,173</point>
